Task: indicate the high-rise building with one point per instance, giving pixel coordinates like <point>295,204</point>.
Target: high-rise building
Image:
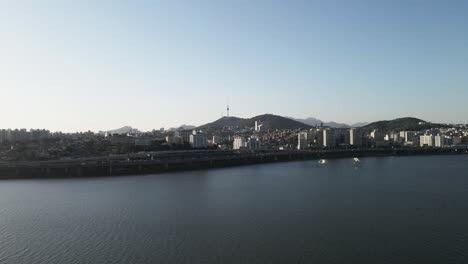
<point>302,140</point>
<point>403,135</point>
<point>439,141</point>
<point>184,135</point>
<point>319,137</point>
<point>395,138</point>
<point>329,138</point>
<point>377,137</point>
<point>407,136</point>
<point>238,143</point>
<point>312,135</point>
<point>253,143</point>
<point>21,135</point>
<point>198,140</point>
<point>426,141</point>
<point>354,137</point>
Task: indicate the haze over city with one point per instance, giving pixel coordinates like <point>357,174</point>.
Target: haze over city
<point>89,65</point>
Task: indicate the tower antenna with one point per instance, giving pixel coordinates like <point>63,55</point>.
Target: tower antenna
<point>227,110</point>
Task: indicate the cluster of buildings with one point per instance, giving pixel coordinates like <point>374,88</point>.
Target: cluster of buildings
<point>22,135</point>
<point>435,137</point>
<point>199,139</point>
<point>130,140</point>
<point>329,137</point>
<point>45,144</point>
<point>339,137</point>
<point>196,138</point>
<point>429,140</point>
<point>251,143</point>
<point>318,137</point>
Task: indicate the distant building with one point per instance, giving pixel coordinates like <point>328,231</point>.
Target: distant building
<point>141,141</point>
<point>439,141</point>
<point>238,143</point>
<point>402,134</point>
<point>121,139</point>
<point>457,140</point>
<point>253,143</point>
<point>329,138</point>
<point>198,139</point>
<point>173,140</point>
<point>407,136</point>
<point>184,135</point>
<point>302,140</point>
<point>217,140</point>
<point>319,137</point>
<point>258,126</point>
<point>312,135</point>
<point>377,137</point>
<point>21,135</point>
<point>354,137</point>
<point>426,141</point>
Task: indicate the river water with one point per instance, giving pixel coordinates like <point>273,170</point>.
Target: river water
<point>381,210</point>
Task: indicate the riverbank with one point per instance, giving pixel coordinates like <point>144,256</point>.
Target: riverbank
<point>150,163</point>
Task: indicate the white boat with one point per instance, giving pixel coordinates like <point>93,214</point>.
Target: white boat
<point>356,160</point>
<point>322,161</point>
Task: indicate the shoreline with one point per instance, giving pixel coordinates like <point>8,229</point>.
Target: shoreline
<point>189,161</point>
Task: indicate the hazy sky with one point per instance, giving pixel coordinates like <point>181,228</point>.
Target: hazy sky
<point>79,65</point>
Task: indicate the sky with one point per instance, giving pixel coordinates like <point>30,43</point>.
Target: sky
<point>98,65</point>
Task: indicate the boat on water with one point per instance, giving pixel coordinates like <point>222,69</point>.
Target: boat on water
<point>356,160</point>
<point>322,161</point>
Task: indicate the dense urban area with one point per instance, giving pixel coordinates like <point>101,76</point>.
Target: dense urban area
<point>228,133</point>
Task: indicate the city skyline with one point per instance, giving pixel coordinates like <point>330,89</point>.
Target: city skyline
<point>69,66</point>
<point>309,122</point>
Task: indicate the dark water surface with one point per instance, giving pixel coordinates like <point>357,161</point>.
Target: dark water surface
<point>384,210</point>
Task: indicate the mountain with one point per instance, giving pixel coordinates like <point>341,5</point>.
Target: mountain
<point>123,130</point>
<point>225,121</point>
<point>187,127</point>
<point>184,127</point>
<point>268,121</point>
<point>336,125</point>
<point>360,124</point>
<point>272,122</point>
<point>311,121</point>
<point>317,122</point>
<point>400,124</point>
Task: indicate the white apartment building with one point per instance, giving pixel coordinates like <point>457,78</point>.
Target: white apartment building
<point>439,141</point>
<point>302,140</point>
<point>239,143</point>
<point>354,138</point>
<point>426,140</point>
<point>329,139</point>
<point>408,136</point>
